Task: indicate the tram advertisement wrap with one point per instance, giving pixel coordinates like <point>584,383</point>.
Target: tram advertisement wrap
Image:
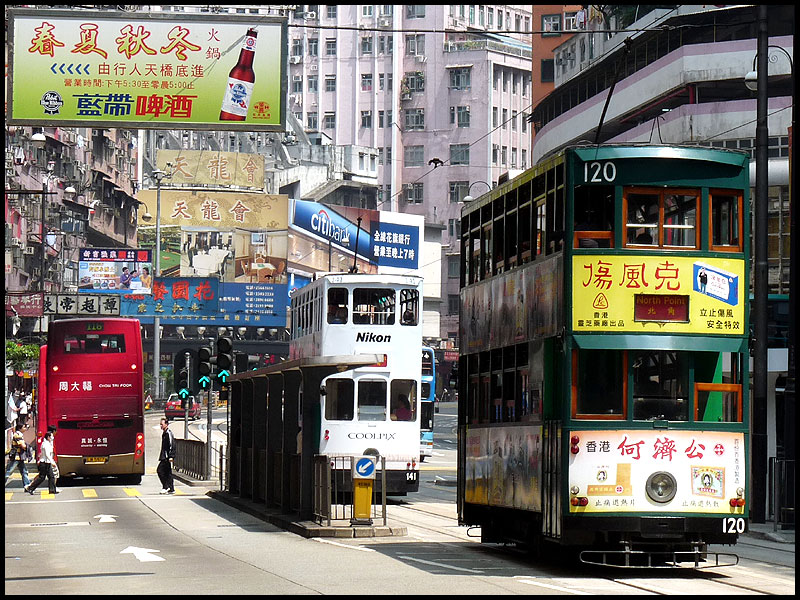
<point>664,294</point>
<point>503,466</point>
<point>612,468</point>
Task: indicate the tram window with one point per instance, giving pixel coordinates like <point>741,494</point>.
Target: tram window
<point>660,385</point>
<point>680,220</point>
<point>339,399</point>
<point>371,400</point>
<point>409,307</point>
<point>337,305</point>
<point>597,384</point>
<point>404,400</point>
<point>718,402</point>
<point>642,219</point>
<point>726,222</point>
<point>373,306</point>
<point>594,213</point>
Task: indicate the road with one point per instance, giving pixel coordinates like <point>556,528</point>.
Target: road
<point>101,536</point>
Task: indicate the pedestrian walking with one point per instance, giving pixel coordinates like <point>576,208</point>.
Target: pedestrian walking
<point>16,458</point>
<point>23,409</point>
<point>47,461</point>
<point>165,458</point>
<point>12,410</point>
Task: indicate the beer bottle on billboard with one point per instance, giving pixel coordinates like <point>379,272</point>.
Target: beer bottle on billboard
<point>241,80</point>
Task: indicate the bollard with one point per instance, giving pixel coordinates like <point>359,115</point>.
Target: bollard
<point>363,476</point>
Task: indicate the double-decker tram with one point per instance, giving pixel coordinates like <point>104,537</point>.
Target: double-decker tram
<point>427,400</point>
<point>372,410</point>
<point>91,391</point>
<point>603,401</point>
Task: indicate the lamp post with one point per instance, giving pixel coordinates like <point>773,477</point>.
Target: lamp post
<point>157,175</point>
<point>467,199</point>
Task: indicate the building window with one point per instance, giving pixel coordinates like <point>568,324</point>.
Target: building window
<point>458,189</point>
<point>366,45</point>
<point>311,120</point>
<point>415,11</point>
<point>454,228</point>
<point>415,156</point>
<point>548,67</point>
<point>313,83</point>
<point>415,80</point>
<point>330,83</point>
<point>297,47</point>
<point>366,82</point>
<point>459,154</point>
<point>459,115</point>
<point>330,47</point>
<point>453,302</point>
<point>366,119</point>
<point>415,44</point>
<point>460,78</point>
<point>313,47</point>
<point>413,193</point>
<point>415,119</point>
<point>329,121</point>
<point>551,25</point>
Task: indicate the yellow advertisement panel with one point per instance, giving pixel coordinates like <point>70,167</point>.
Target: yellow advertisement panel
<point>658,294</point>
<point>211,167</point>
<point>685,471</point>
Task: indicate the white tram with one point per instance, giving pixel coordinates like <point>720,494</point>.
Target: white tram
<point>371,410</point>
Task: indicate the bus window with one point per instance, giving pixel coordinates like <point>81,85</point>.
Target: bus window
<point>373,306</point>
<point>337,305</point>
<point>597,384</point>
<point>404,400</point>
<point>409,307</point>
<point>371,400</point>
<point>660,383</point>
<point>94,343</point>
<point>339,399</point>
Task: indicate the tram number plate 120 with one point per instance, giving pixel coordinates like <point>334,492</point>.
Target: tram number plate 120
<point>733,525</point>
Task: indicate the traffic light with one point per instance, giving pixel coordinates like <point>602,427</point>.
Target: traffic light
<point>223,394</point>
<point>204,366</point>
<point>182,374</point>
<point>224,358</point>
<point>240,361</point>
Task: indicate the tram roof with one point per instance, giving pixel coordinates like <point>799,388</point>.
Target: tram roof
<point>387,278</point>
<point>338,363</point>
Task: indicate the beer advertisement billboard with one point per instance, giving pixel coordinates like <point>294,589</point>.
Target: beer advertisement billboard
<point>163,70</point>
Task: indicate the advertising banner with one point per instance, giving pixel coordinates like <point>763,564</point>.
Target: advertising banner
<point>115,270</point>
<point>672,294</point>
<point>194,296</point>
<point>611,469</point>
<point>159,70</point>
<point>24,304</point>
<point>82,305</point>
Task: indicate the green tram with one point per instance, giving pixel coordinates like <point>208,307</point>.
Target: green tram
<point>603,374</point>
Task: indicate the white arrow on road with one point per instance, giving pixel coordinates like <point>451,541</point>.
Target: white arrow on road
<point>142,554</point>
<point>106,518</point>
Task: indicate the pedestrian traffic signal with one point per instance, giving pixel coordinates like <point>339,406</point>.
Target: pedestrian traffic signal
<point>182,373</point>
<point>224,358</point>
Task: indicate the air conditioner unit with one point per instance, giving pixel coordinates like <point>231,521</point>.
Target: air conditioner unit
<point>313,67</point>
<point>16,242</point>
<point>309,16</point>
<point>30,250</point>
<point>422,58</point>
<point>295,60</point>
<point>385,22</point>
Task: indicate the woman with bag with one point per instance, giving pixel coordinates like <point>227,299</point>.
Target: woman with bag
<point>17,455</point>
<point>46,465</point>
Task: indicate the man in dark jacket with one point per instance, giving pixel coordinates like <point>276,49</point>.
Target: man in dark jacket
<point>165,458</point>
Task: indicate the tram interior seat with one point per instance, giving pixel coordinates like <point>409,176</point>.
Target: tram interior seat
<point>661,406</point>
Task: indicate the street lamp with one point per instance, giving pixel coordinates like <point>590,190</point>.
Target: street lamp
<point>157,176</point>
<point>469,198</point>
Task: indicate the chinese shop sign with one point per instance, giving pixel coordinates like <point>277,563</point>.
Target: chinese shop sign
<point>209,167</point>
<point>670,294</point>
<point>218,210</point>
<point>165,71</point>
<point>81,305</point>
<point>195,296</point>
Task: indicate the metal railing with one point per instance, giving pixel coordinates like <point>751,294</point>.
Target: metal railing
<point>333,491</point>
<point>784,498</point>
<point>191,458</point>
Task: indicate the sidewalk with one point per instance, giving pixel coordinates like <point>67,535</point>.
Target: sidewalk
<point>766,531</point>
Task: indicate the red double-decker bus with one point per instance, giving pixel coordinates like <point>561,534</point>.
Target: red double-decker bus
<point>91,390</point>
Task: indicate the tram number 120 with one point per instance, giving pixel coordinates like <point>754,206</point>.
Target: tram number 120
<point>733,525</point>
<point>596,172</point>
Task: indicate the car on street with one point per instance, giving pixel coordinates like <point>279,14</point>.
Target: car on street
<point>173,409</point>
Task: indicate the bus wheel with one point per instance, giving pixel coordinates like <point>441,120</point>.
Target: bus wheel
<point>132,479</point>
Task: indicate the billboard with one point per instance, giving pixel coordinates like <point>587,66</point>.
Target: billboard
<point>161,70</point>
<point>115,270</point>
<point>212,167</point>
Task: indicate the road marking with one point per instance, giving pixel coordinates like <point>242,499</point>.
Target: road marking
<point>437,564</point>
<point>89,493</point>
<point>47,495</point>
<point>142,554</point>
<point>133,493</point>
<point>105,518</point>
<point>332,543</point>
<point>64,524</point>
<point>549,586</point>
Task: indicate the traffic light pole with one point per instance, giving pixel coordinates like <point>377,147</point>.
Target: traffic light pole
<point>186,404</point>
<point>209,452</point>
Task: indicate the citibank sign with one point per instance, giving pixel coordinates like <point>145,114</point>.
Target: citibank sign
<point>321,224</point>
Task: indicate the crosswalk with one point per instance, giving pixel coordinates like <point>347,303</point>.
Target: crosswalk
<point>89,493</point>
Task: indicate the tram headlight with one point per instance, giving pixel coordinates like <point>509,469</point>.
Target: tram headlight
<point>661,487</point>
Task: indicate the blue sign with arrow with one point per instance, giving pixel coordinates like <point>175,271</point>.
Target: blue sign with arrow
<point>365,468</point>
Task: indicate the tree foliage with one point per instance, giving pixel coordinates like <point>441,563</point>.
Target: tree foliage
<point>20,356</point>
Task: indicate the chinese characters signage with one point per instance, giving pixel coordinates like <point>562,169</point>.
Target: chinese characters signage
<point>165,70</point>
<point>24,304</point>
<point>612,467</point>
<point>79,305</point>
<point>218,210</point>
<point>115,270</point>
<point>669,294</point>
<point>191,296</point>
<point>208,167</point>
